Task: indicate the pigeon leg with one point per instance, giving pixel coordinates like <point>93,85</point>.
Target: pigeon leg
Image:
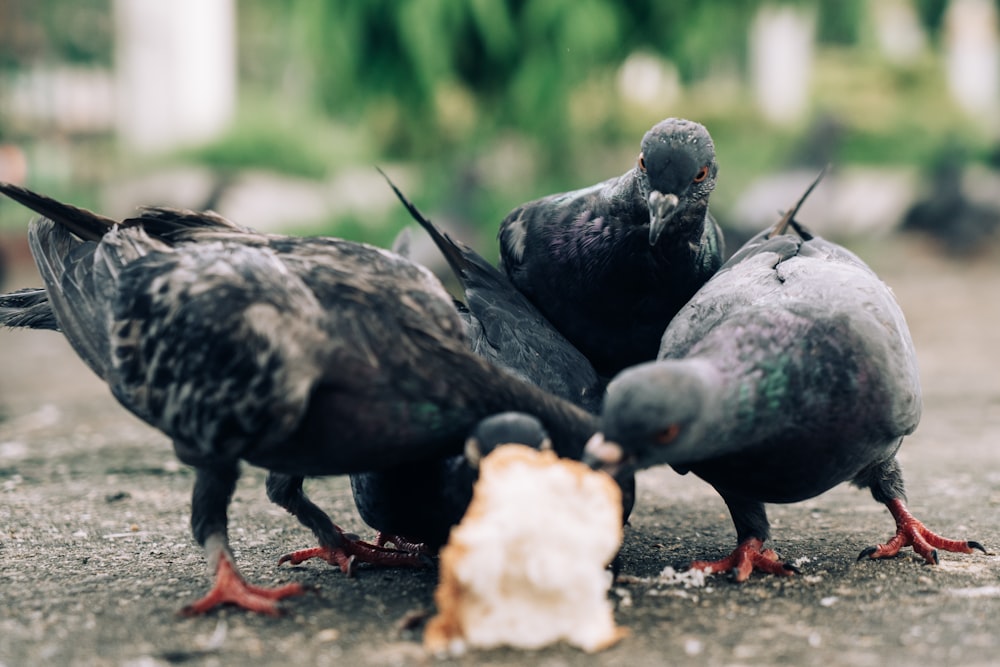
<point>911,532</point>
<point>335,546</point>
<point>213,489</point>
<point>752,529</point>
<point>885,480</point>
<point>626,483</point>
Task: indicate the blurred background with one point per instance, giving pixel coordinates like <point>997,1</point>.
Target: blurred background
<point>274,114</point>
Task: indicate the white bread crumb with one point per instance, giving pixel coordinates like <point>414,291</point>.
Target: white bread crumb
<point>526,567</point>
<point>687,578</point>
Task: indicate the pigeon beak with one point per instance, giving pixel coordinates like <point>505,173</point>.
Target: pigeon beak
<point>473,455</point>
<point>661,209</point>
<point>603,455</point>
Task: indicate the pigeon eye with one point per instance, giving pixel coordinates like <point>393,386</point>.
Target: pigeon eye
<point>701,175</point>
<point>642,162</point>
<point>667,435</point>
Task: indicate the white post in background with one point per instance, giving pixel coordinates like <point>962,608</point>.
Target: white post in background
<point>972,57</point>
<point>176,70</point>
<point>782,41</point>
<point>900,36</point>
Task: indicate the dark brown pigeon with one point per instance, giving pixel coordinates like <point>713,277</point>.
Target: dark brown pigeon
<point>304,356</point>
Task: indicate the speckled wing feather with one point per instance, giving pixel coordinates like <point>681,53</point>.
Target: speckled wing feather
<point>218,345</point>
<point>79,289</point>
<point>396,378</point>
<point>225,337</point>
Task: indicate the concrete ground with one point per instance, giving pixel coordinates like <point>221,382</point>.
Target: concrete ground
<point>96,555</point>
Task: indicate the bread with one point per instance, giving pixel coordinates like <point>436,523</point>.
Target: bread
<point>527,565</point>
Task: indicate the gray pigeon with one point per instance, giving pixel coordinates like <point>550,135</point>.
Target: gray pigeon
<point>610,265</point>
<point>789,372</point>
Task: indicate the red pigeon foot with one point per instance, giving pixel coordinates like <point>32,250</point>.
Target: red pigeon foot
<point>748,556</point>
<point>912,533</point>
<point>231,588</point>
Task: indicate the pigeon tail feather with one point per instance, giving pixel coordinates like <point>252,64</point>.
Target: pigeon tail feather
<point>70,275</point>
<point>27,308</point>
<point>461,263</point>
<point>87,225</point>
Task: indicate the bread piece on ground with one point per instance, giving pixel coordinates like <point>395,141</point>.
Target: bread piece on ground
<point>527,565</point>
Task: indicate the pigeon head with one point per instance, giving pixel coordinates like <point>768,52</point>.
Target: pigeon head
<point>505,428</point>
<point>653,413</point>
<point>676,169</point>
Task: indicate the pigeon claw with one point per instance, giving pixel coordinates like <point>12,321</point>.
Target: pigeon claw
<point>791,569</point>
<point>748,556</point>
<point>402,543</point>
<point>912,533</point>
<point>231,588</point>
<point>380,555</point>
<point>357,551</point>
<point>333,556</point>
<point>866,552</point>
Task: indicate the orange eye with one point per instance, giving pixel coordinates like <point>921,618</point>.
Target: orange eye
<point>642,162</point>
<point>667,435</point>
<point>701,175</point>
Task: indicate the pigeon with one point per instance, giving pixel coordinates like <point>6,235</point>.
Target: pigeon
<point>504,429</point>
<point>963,226</point>
<point>415,506</point>
<point>789,372</point>
<point>610,265</point>
<point>303,356</point>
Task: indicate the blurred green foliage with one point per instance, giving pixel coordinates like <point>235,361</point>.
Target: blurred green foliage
<point>426,78</point>
<point>432,74</point>
<point>499,101</point>
<point>77,32</point>
<point>452,85</point>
